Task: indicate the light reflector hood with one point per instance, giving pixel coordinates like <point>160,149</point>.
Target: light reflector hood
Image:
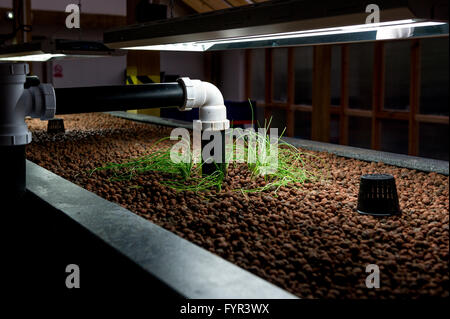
<point>55,49</point>
<point>285,23</point>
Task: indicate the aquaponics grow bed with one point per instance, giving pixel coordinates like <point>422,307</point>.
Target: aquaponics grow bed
<point>307,239</point>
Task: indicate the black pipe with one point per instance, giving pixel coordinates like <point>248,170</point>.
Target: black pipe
<point>211,167</point>
<point>12,181</point>
<point>118,98</point>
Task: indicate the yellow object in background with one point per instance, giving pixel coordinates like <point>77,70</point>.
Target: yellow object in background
<point>133,78</point>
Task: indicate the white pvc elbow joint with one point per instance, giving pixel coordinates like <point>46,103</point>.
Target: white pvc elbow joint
<point>208,98</point>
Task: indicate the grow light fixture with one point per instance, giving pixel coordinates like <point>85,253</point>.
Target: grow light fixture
<point>285,23</point>
<point>380,31</point>
<point>32,57</point>
<point>46,50</point>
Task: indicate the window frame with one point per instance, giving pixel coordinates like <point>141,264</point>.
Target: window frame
<point>377,112</point>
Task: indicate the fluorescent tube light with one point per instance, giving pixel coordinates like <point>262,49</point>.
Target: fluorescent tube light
<point>41,51</point>
<point>32,57</point>
<point>378,31</point>
<point>281,23</point>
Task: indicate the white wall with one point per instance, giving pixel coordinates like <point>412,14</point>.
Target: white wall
<point>190,64</point>
<point>232,82</point>
<point>113,7</point>
<point>89,72</point>
<point>5,3</point>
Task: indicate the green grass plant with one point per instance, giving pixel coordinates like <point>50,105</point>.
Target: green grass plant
<point>294,166</point>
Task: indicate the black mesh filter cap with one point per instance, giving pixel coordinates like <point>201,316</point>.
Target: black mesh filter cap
<point>378,195</point>
<point>55,126</point>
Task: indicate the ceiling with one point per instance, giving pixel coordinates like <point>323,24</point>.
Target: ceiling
<point>202,6</point>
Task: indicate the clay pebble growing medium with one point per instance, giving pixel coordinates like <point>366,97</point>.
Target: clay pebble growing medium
<point>308,239</point>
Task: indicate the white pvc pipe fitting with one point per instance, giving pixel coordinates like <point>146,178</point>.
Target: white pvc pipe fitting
<point>208,98</point>
<point>16,102</point>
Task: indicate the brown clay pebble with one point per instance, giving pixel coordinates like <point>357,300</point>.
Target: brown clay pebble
<point>308,239</point>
